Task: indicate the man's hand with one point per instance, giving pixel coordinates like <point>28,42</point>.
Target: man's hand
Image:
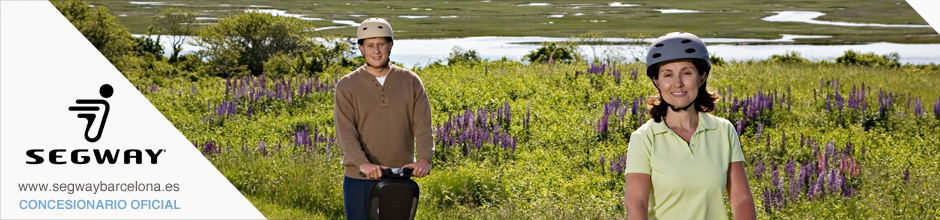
<point>372,171</point>
<point>421,168</point>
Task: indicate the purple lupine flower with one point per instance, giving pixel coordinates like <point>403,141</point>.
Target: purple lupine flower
<point>918,109</point>
<point>831,183</point>
<point>839,101</point>
<point>820,186</point>
<point>775,176</point>
<point>597,69</point>
<point>525,123</point>
<point>740,127</point>
<point>768,143</point>
<point>852,104</point>
<point>730,95</point>
<point>848,149</point>
<point>936,107</point>
<point>828,104</point>
<point>759,169</point>
<point>908,103</point>
<point>862,153</point>
<point>634,73</point>
<point>602,125</point>
<point>793,191</point>
<point>262,149</point>
<point>907,175</point>
<point>802,178</point>
<point>153,88</point>
<point>768,200</point>
<point>636,106</point>
<point>760,129</point>
<point>602,161</point>
<point>830,152</point>
<point>790,168</point>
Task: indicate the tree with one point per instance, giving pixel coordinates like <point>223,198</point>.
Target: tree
<point>111,38</point>
<point>459,56</point>
<point>249,39</point>
<point>551,52</point>
<point>178,24</point>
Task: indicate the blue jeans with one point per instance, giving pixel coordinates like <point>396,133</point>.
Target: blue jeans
<point>356,197</point>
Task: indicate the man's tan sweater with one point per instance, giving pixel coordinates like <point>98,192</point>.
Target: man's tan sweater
<point>382,124</point>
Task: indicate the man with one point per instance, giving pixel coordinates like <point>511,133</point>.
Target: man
<point>381,112</point>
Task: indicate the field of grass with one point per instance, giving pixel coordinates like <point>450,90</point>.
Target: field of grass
<point>459,18</point>
<point>556,170</point>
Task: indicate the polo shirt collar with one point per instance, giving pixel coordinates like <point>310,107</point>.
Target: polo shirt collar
<point>705,122</point>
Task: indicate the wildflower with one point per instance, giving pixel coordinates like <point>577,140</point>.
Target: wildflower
<point>862,153</point>
<point>918,109</point>
<point>634,74</point>
<point>740,126</point>
<point>802,141</point>
<point>907,175</point>
<point>768,200</point>
<point>936,107</point>
<point>775,176</point>
<point>759,169</point>
<point>602,160</point>
<point>848,148</point>
<point>760,128</point>
<point>729,92</point>
<point>790,168</point>
<point>261,148</point>
<point>525,123</point>
<point>839,101</point>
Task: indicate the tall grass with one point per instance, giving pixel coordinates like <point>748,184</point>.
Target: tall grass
<point>556,170</point>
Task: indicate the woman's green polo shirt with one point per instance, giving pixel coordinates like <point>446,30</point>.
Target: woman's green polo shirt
<point>688,179</point>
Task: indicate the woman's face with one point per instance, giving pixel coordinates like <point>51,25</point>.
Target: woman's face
<point>679,82</point>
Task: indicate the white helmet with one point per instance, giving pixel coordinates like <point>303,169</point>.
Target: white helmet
<point>374,27</point>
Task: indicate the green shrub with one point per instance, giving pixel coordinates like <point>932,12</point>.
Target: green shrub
<point>551,51</point>
<point>460,56</point>
<point>850,57</point>
<point>792,57</point>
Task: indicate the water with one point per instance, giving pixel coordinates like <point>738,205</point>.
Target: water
<point>420,52</point>
<point>810,18</point>
<point>675,11</point>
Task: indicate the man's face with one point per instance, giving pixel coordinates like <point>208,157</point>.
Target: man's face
<point>376,51</point>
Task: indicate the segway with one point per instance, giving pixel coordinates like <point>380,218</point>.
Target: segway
<point>395,196</point>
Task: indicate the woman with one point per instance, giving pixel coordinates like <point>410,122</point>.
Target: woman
<point>680,163</point>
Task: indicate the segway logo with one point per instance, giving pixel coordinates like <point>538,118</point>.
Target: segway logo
<point>92,105</point>
<point>89,109</point>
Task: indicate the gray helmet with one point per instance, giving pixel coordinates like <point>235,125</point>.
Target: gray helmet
<point>676,46</point>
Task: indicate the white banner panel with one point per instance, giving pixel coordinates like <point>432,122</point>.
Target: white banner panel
<point>80,142</point>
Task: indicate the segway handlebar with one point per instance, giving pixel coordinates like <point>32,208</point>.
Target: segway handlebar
<point>393,173</point>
